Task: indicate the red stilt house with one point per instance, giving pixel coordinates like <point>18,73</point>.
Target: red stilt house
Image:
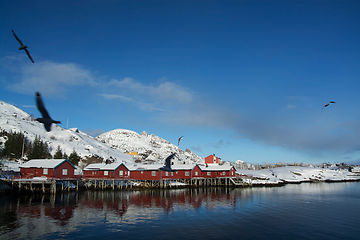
<point>145,172</point>
<point>106,171</point>
<point>212,159</point>
<point>214,171</point>
<point>183,171</point>
<point>50,168</point>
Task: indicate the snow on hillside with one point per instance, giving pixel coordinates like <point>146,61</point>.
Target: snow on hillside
<point>293,174</point>
<point>14,119</point>
<point>149,147</point>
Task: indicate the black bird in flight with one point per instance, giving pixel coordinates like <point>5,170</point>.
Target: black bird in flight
<point>327,104</point>
<point>22,46</point>
<point>167,167</point>
<point>180,139</point>
<point>46,119</point>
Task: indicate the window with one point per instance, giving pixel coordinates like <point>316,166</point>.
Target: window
<point>196,173</point>
<point>45,171</point>
<point>153,173</point>
<point>187,174</point>
<point>121,172</point>
<point>224,173</point>
<point>166,174</point>
<point>172,174</point>
<point>142,172</point>
<point>64,171</point>
<point>106,173</point>
<point>209,173</point>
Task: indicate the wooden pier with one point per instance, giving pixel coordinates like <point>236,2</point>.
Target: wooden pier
<point>45,185</point>
<point>165,183</point>
<point>61,185</point>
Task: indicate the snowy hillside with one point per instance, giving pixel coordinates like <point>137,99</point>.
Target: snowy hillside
<point>293,174</point>
<point>149,147</point>
<point>111,145</point>
<point>16,120</point>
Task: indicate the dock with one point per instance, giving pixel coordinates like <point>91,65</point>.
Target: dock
<point>40,184</point>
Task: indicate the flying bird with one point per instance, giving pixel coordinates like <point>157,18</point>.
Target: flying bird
<point>167,167</point>
<point>46,119</point>
<point>327,104</point>
<point>22,46</point>
<point>180,139</point>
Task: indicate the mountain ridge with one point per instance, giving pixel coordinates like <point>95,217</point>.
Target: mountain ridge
<point>14,119</point>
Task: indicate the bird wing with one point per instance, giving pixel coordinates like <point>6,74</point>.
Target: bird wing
<point>41,106</point>
<point>17,38</point>
<point>179,139</point>
<point>27,52</point>
<point>47,126</point>
<point>168,159</point>
<point>331,102</point>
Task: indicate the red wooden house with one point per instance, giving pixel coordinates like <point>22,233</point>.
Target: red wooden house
<point>145,172</point>
<point>212,159</point>
<point>106,171</point>
<point>183,171</point>
<point>50,168</point>
<point>215,171</point>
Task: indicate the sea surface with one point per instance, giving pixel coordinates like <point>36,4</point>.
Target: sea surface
<point>294,211</point>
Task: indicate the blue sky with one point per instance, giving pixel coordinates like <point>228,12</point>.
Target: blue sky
<point>240,79</point>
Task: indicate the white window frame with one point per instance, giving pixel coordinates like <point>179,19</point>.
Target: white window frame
<point>196,173</point>
<point>153,173</point>
<point>45,171</point>
<point>121,172</point>
<point>64,172</point>
<point>224,173</point>
<point>209,173</point>
<point>187,174</point>
<point>106,173</point>
<point>166,174</point>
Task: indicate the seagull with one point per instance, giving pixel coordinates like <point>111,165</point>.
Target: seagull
<point>179,140</point>
<point>22,46</point>
<point>327,104</point>
<point>167,167</point>
<point>46,119</point>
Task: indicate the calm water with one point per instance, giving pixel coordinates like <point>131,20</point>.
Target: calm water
<point>301,211</point>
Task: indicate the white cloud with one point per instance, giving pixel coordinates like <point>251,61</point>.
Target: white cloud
<point>139,104</point>
<point>163,91</point>
<point>51,78</point>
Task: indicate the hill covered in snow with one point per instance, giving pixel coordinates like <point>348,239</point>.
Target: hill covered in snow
<point>111,145</point>
<point>150,148</point>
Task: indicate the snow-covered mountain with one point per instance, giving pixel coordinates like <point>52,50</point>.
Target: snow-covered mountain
<point>111,145</point>
<point>150,148</point>
<point>14,119</point>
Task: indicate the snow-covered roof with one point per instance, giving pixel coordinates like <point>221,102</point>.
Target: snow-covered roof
<point>103,166</point>
<point>215,167</point>
<point>43,163</point>
<point>183,166</point>
<point>144,167</point>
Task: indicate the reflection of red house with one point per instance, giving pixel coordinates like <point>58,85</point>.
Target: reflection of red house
<point>62,213</point>
<point>212,159</point>
<point>215,171</point>
<point>106,171</point>
<point>50,168</point>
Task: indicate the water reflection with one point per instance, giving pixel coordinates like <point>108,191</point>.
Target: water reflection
<point>42,216</point>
